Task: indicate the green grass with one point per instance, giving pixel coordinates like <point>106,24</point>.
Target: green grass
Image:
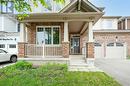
<point>51,75</point>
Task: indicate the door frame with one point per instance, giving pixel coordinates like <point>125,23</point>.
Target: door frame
<point>75,36</point>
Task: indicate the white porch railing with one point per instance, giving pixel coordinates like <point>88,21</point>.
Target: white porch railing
<point>34,50</point>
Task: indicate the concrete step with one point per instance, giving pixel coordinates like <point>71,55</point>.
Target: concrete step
<point>77,62</point>
<point>86,69</point>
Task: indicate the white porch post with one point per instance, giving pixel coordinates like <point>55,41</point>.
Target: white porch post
<point>90,32</point>
<point>66,36</point>
<point>21,44</point>
<point>90,46</point>
<point>65,43</point>
<point>22,32</point>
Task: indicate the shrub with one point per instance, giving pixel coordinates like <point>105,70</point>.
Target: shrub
<point>23,65</point>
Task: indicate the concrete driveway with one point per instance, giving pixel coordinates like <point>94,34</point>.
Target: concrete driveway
<point>116,68</point>
<point>4,64</point>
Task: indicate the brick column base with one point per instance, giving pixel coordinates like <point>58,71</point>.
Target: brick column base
<point>90,53</point>
<point>65,49</point>
<point>90,50</point>
<point>21,49</point>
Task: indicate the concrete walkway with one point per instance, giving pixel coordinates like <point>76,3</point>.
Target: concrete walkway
<point>118,69</point>
<point>78,63</point>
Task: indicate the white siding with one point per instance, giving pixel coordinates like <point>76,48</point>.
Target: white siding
<point>10,25</point>
<point>1,23</point>
<point>106,23</point>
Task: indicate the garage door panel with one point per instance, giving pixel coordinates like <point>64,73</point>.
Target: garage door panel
<point>98,50</point>
<point>116,51</point>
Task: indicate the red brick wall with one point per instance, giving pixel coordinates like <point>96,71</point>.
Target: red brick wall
<point>121,25</point>
<point>83,40</point>
<point>32,30</point>
<point>128,24</point>
<point>90,50</point>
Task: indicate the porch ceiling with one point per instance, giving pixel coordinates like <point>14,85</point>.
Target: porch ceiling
<point>61,17</point>
<point>76,26</point>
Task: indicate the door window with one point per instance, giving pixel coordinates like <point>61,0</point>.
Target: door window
<point>75,45</point>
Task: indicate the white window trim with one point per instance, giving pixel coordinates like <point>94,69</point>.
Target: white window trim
<point>51,33</point>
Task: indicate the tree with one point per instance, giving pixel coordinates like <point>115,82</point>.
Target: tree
<point>23,6</point>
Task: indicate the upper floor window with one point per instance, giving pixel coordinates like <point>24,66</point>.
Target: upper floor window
<point>6,6</point>
<point>107,24</point>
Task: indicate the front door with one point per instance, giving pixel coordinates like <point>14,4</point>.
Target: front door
<point>75,45</point>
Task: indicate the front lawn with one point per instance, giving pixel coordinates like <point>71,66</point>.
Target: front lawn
<point>23,74</point>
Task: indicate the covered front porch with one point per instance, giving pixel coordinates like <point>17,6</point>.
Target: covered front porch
<point>59,39</point>
<point>68,32</point>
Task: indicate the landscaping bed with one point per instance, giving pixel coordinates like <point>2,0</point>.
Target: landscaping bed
<point>23,74</point>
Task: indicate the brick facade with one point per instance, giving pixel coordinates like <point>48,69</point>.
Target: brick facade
<point>65,49</point>
<point>90,50</point>
<point>128,24</point>
<point>100,37</point>
<point>31,31</point>
<point>21,49</point>
<point>122,24</point>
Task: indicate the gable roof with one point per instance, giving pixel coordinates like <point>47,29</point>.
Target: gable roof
<point>80,6</point>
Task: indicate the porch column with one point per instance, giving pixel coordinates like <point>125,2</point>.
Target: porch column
<point>66,36</point>
<point>65,43</point>
<point>90,45</point>
<point>22,42</point>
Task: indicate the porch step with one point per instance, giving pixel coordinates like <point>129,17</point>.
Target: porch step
<point>78,63</point>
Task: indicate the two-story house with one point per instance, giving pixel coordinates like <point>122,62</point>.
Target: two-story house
<point>111,39</point>
<point>79,28</point>
<point>9,33</point>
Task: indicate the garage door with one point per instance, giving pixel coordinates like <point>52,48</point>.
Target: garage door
<point>115,50</point>
<point>99,52</point>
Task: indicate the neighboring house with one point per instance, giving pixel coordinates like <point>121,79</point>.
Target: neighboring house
<point>124,23</point>
<point>9,35</point>
<point>110,40</point>
<point>78,28</point>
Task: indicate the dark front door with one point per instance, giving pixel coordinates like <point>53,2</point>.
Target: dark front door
<point>75,45</point>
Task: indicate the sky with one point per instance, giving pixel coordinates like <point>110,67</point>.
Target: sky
<point>114,7</point>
